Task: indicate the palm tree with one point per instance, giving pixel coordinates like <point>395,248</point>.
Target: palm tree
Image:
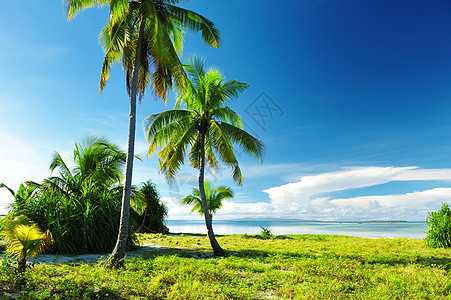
<point>24,239</point>
<point>97,162</point>
<point>147,35</point>
<point>203,123</point>
<point>214,196</point>
<point>150,209</point>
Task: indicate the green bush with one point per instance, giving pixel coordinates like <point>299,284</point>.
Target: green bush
<point>439,228</point>
<point>81,205</point>
<point>87,224</point>
<point>149,211</point>
<point>266,232</point>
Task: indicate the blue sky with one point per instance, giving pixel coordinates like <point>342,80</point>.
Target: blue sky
<point>352,99</point>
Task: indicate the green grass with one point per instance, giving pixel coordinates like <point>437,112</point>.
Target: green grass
<point>287,267</point>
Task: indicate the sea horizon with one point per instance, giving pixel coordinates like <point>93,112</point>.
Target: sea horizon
<point>366,229</point>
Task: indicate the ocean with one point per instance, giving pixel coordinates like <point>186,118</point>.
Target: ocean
<point>415,230</point>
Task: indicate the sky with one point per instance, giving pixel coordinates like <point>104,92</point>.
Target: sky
<point>351,98</point>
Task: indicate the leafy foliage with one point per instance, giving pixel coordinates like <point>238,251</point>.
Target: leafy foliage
<point>214,196</point>
<point>81,205</point>
<point>25,239</point>
<point>266,232</point>
<point>150,211</point>
<point>439,228</point>
<point>203,123</point>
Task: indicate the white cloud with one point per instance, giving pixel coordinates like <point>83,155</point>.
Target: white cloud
<point>309,186</point>
<point>232,210</point>
<point>177,211</point>
<point>424,174</point>
<point>310,196</point>
<point>417,200</point>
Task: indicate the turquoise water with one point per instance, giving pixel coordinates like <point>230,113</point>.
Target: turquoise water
<point>415,230</point>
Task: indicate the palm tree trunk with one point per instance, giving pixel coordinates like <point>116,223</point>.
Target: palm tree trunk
<point>22,265</point>
<point>116,258</point>
<point>141,227</point>
<point>218,251</point>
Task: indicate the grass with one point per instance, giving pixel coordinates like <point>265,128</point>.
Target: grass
<point>281,267</point>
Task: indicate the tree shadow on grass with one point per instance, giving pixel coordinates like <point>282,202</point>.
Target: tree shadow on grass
<point>79,292</point>
<point>400,258</point>
<point>426,261</point>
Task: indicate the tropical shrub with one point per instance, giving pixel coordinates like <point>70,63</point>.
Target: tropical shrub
<point>24,239</point>
<point>149,211</point>
<point>439,228</point>
<point>266,233</point>
<point>81,205</point>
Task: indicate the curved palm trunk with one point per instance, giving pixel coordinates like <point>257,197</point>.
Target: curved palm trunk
<point>116,258</point>
<point>141,227</point>
<point>218,251</point>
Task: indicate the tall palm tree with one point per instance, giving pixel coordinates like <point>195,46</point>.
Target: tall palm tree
<point>147,35</point>
<point>214,196</point>
<point>203,122</point>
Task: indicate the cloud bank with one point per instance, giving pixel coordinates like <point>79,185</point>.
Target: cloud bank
<point>312,194</point>
<point>312,197</point>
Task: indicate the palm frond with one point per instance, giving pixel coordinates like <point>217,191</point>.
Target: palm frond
<point>172,156</point>
<point>75,6</point>
<point>214,196</point>
<point>24,238</point>
<point>9,189</point>
<point>247,142</point>
<point>58,162</point>
<point>226,114</point>
<point>196,22</point>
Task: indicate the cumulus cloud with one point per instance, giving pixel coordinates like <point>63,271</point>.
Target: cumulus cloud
<point>417,200</point>
<point>311,195</point>
<point>177,211</point>
<point>309,186</point>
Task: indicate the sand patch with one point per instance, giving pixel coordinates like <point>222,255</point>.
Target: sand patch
<point>83,258</point>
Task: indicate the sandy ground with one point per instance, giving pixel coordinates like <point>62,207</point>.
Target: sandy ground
<point>64,259</point>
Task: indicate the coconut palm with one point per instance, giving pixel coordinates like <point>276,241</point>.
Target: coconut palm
<point>214,196</point>
<point>147,35</point>
<point>24,239</point>
<point>204,123</point>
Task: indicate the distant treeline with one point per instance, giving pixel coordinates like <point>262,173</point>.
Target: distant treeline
<point>386,221</point>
